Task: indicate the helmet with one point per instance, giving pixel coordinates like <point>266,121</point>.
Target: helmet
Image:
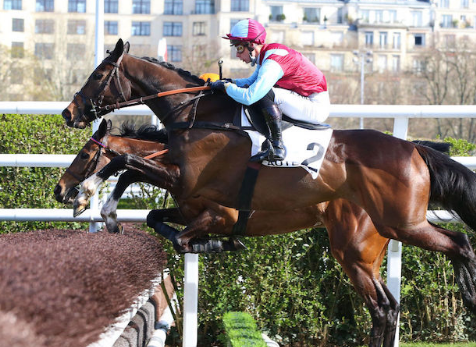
<point>209,75</point>
<point>247,30</point>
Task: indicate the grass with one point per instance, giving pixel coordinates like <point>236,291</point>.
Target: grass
<point>430,344</point>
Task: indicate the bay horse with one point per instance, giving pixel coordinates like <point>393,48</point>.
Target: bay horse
<point>354,241</point>
<point>393,180</point>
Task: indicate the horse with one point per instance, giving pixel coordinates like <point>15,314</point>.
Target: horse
<point>393,180</point>
<point>354,241</point>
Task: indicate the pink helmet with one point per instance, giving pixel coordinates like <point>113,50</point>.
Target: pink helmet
<point>247,30</point>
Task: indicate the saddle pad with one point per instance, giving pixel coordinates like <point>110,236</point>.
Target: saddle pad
<point>304,148</point>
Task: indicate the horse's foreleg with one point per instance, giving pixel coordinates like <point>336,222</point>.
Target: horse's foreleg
<point>392,317</point>
<point>171,215</point>
<point>88,189</point>
<point>108,211</point>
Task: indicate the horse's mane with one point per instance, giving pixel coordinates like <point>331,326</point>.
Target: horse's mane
<point>182,72</point>
<point>145,132</point>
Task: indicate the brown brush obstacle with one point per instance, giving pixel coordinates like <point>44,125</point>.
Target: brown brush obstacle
<point>65,287</point>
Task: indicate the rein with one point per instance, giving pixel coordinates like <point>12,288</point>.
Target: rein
<point>140,101</point>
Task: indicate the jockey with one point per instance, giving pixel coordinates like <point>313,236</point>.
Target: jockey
<point>284,81</point>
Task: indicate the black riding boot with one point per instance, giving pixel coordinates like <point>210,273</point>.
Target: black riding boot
<point>272,115</point>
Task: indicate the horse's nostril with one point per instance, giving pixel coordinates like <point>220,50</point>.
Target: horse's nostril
<point>66,114</point>
<point>57,190</point>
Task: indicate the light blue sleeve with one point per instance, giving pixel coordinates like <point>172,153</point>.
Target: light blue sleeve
<point>241,82</point>
<point>269,73</point>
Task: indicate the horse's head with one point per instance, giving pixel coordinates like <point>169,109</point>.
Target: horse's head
<point>104,86</point>
<point>88,161</point>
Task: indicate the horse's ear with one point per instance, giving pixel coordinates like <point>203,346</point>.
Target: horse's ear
<point>102,129</point>
<point>109,125</point>
<point>118,50</point>
<point>127,45</point>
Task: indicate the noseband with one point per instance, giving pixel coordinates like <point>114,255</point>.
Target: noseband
<point>96,107</point>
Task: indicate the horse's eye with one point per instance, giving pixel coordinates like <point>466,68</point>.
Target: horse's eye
<point>84,155</point>
<point>97,76</point>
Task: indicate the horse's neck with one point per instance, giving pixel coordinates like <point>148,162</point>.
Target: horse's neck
<point>125,145</point>
<point>214,108</point>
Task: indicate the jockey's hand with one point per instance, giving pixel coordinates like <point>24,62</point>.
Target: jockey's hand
<point>219,85</point>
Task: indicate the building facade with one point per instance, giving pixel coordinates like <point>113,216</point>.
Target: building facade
<point>334,34</point>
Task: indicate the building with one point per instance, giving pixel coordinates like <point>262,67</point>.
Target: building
<point>334,34</point>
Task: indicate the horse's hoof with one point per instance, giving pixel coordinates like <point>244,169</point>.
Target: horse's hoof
<point>77,210</point>
<point>238,245</point>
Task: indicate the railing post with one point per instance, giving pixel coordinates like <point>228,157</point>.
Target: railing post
<point>394,254</point>
<point>190,301</point>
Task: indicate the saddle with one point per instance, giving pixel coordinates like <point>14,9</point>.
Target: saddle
<point>258,123</point>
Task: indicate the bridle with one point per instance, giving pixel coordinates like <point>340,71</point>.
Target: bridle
<point>96,108</point>
<point>95,161</point>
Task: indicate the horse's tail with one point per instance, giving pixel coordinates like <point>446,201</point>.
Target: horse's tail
<point>453,185</point>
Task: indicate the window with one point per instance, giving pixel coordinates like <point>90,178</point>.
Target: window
<point>110,27</point>
<point>12,4</point>
<point>382,63</point>
<point>417,18</point>
<point>173,7</point>
<point>140,28</point>
<point>18,24</point>
<point>141,6</point>
<point>337,62</point>
<point>464,3</point>
<point>419,40</point>
<point>75,50</point>
<point>396,63</point>
<point>77,6</point>
<point>44,26</point>
<point>16,76</point>
<point>174,53</point>
<point>17,50</point>
<point>307,38</point>
<point>45,5</point>
<point>444,4</point>
<point>44,50</point>
<point>419,66</point>
<point>340,15</point>
<point>365,16</point>
<point>111,6</point>
<point>199,28</point>
<point>240,5</point>
<point>397,41</point>
<point>311,15</point>
<point>276,13</point>
<point>446,21</point>
<point>369,39</point>
<point>172,29</point>
<point>204,6</point>
<point>76,27</point>
<point>392,16</point>
<point>383,39</point>
<point>379,16</point>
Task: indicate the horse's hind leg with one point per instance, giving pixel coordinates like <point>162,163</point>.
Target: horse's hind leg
<point>392,317</point>
<point>455,245</point>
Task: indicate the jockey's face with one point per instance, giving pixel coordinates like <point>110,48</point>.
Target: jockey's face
<point>243,53</point>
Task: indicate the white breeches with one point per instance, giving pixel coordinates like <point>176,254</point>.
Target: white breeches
<point>313,109</point>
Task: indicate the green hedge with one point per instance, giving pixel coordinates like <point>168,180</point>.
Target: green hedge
<point>290,284</point>
<point>25,187</point>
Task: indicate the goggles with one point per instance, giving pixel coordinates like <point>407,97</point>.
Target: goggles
<point>240,49</point>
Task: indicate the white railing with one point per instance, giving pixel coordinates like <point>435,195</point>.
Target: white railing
<point>401,115</point>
